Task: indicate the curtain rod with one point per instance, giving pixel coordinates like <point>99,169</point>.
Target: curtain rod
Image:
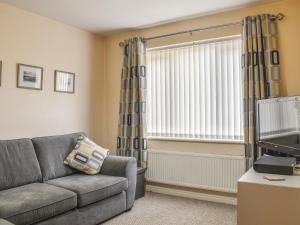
<point>279,16</point>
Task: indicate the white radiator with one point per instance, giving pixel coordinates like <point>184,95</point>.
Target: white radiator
<point>205,171</point>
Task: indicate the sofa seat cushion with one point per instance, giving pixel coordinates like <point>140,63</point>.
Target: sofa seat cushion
<point>35,202</point>
<point>91,189</point>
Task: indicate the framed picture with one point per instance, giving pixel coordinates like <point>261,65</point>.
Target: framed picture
<point>0,73</point>
<point>30,77</point>
<point>64,82</point>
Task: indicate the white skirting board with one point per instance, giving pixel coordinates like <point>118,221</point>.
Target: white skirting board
<point>192,195</point>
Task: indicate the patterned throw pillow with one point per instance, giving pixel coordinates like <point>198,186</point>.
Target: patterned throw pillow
<point>87,156</point>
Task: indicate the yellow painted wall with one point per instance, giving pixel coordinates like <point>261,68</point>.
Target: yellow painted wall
<point>31,39</point>
<point>289,42</point>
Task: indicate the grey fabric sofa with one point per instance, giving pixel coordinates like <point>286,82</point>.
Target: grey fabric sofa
<point>37,188</point>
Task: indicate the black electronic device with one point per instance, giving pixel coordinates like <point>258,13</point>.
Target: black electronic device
<point>275,165</point>
<point>289,145</point>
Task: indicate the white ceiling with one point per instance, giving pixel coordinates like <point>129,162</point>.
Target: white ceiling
<point>101,16</point>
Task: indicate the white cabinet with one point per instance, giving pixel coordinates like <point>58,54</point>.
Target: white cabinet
<point>263,202</point>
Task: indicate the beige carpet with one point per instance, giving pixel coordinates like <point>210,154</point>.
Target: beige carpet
<point>158,209</point>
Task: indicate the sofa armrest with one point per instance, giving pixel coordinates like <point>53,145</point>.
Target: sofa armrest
<point>5,222</point>
<point>122,167</point>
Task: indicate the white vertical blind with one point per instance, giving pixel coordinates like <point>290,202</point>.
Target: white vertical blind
<point>195,90</point>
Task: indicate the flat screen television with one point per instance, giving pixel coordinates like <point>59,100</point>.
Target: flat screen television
<point>278,126</point>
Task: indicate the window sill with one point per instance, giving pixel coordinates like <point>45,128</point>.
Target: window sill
<point>181,139</point>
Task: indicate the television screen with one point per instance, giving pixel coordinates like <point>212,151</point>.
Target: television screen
<point>278,125</point>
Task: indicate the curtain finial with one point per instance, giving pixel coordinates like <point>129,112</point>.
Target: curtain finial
<point>280,16</point>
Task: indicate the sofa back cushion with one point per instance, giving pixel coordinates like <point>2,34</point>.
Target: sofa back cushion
<point>18,164</point>
<point>51,153</point>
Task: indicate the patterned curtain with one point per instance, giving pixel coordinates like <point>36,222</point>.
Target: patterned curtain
<point>261,72</point>
<point>132,114</point>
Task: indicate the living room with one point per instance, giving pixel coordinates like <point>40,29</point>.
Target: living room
<point>181,100</point>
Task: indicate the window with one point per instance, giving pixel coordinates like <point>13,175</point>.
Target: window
<point>195,90</point>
